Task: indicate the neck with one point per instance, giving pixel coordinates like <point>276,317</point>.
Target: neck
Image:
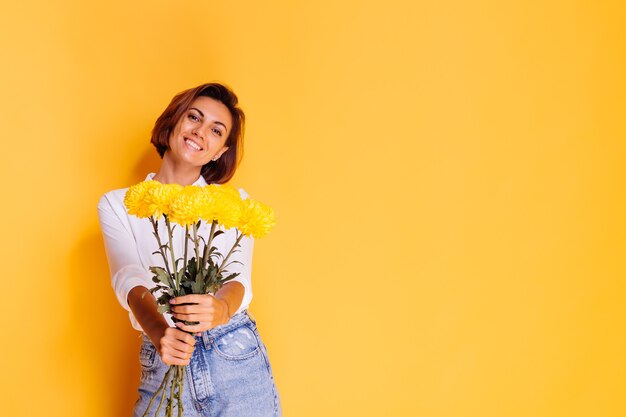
<point>172,173</point>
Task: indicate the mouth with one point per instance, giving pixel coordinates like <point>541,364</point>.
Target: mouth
<point>192,144</point>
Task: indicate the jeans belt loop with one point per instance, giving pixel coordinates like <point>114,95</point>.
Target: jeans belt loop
<point>206,340</point>
<point>251,317</point>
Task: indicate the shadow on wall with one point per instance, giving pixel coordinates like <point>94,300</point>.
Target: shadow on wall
<point>101,339</point>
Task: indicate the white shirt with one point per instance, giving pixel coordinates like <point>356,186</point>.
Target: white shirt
<point>129,242</point>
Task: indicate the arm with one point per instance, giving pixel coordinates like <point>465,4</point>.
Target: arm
<point>144,308</point>
<point>122,254</point>
<point>232,293</point>
<point>233,297</point>
<point>174,346</point>
<point>238,291</point>
<point>130,281</point>
<point>214,310</point>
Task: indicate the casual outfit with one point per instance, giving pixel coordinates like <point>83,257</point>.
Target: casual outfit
<point>229,373</point>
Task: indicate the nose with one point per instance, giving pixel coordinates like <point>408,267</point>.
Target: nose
<point>196,132</point>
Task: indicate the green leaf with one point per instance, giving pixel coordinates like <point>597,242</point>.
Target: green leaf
<point>212,274</point>
<point>192,266</point>
<point>163,308</point>
<point>181,271</point>
<point>177,261</point>
<point>231,276</point>
<point>184,291</point>
<point>154,269</point>
<point>197,287</point>
<point>158,288</point>
<point>161,275</point>
<point>232,262</point>
<point>200,276</point>
<point>211,264</point>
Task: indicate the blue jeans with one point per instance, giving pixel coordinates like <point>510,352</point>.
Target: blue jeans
<point>229,374</point>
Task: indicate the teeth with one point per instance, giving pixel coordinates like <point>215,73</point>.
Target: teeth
<point>193,144</point>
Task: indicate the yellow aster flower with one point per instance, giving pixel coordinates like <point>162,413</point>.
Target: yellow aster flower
<point>208,212</point>
<point>186,206</point>
<point>229,191</point>
<point>158,199</point>
<point>257,219</point>
<point>229,207</point>
<point>223,203</point>
<point>135,198</point>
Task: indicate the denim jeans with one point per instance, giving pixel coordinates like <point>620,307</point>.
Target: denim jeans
<point>229,374</point>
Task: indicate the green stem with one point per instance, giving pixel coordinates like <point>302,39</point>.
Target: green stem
<point>185,257</point>
<point>171,403</point>
<point>155,225</point>
<point>180,391</point>
<point>163,394</point>
<point>195,241</point>
<point>165,377</point>
<point>229,252</point>
<point>205,258</point>
<point>169,235</point>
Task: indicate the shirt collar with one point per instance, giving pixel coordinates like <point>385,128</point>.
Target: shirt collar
<point>200,181</point>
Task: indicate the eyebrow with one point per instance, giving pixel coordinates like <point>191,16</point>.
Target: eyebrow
<point>202,114</point>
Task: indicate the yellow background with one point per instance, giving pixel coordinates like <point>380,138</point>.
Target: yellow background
<point>448,179</point>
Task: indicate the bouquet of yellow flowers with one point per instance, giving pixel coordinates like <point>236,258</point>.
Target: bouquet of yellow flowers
<point>204,273</point>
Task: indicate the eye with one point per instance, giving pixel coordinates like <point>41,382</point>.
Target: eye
<point>217,132</point>
<point>193,117</point>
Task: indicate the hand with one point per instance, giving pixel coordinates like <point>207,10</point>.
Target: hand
<point>176,347</point>
<point>206,309</point>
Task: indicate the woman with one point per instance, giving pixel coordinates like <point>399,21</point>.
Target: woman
<point>199,137</point>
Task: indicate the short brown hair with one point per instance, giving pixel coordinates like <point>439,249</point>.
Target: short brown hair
<point>223,169</point>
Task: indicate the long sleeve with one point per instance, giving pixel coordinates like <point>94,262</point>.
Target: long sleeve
<point>125,266</point>
<point>129,248</point>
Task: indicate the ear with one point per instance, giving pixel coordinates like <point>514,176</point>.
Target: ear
<point>221,152</point>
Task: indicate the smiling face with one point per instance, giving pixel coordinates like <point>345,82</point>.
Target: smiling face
<point>200,134</point>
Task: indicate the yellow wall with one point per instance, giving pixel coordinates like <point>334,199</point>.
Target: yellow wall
<point>448,179</point>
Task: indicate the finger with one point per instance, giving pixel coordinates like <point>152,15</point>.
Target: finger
<point>181,349</point>
<point>170,360</point>
<point>175,354</point>
<point>177,349</point>
<point>184,337</point>
<point>201,327</point>
<point>191,298</point>
<point>193,308</point>
<point>173,333</point>
<point>194,317</point>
